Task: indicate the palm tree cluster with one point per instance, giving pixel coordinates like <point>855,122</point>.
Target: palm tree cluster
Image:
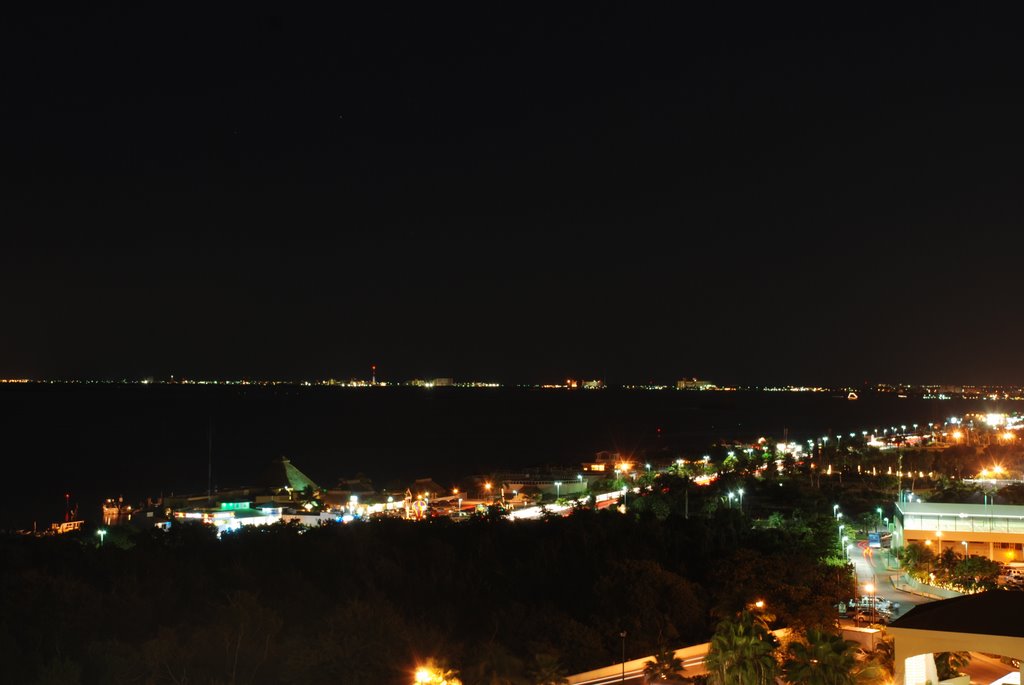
<point>744,651</point>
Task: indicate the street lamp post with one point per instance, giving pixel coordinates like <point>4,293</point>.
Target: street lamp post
<point>741,498</point>
<point>870,589</point>
<point>558,489</point>
<point>102,532</point>
<point>879,510</point>
<point>623,636</point>
<point>835,511</point>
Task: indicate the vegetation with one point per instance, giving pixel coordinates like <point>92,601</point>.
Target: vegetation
<point>949,569</point>
<point>370,602</point>
<point>742,652</point>
<point>666,667</point>
<point>949,664</point>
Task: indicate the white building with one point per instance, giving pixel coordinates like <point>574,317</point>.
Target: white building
<point>995,531</point>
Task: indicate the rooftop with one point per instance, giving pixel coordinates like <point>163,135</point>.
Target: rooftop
<point>987,613</point>
<point>958,509</point>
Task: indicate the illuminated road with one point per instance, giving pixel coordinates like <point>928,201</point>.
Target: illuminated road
<point>634,673</point>
<point>871,566</point>
<point>984,670</point>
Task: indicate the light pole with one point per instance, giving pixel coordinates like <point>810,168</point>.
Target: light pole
<point>558,490</point>
<point>879,510</point>
<point>731,496</point>
<point>835,511</point>
<point>102,532</point>
<point>870,589</point>
<point>623,636</point>
<point>741,498</point>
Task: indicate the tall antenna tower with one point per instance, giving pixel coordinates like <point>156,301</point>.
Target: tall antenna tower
<point>373,374</point>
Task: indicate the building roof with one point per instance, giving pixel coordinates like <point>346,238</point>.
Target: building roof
<point>281,473</point>
<point>987,613</point>
<point>956,509</point>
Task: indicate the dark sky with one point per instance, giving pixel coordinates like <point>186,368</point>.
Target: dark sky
<point>507,193</point>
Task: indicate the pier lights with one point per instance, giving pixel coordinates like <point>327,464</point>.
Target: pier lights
<point>558,489</point>
<point>102,532</point>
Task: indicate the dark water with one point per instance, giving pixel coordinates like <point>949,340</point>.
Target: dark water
<point>102,441</point>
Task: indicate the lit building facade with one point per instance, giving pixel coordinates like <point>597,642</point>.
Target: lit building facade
<point>995,531</point>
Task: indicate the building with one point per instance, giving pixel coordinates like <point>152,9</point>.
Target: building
<point>988,622</point>
<point>694,384</point>
<point>995,531</point>
<point>607,465</point>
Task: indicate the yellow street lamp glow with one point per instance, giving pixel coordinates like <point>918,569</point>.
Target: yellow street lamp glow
<point>997,468</point>
<point>869,588</point>
<point>423,675</point>
<point>759,604</point>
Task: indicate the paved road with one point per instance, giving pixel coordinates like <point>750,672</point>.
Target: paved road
<point>984,670</point>
<point>877,566</point>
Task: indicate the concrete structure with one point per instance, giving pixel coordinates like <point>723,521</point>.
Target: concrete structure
<point>995,531</point>
<point>989,622</point>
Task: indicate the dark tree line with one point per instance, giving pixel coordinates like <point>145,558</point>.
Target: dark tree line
<point>367,602</point>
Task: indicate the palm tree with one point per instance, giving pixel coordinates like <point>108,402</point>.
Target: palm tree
<point>547,670</point>
<point>949,664</point>
<point>742,652</point>
<point>666,667</point>
<point>827,659</point>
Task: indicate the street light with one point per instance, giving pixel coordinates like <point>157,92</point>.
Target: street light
<point>870,589</point>
<point>879,510</point>
<point>558,489</point>
<point>623,636</point>
<point>741,498</point>
<point>835,510</point>
<point>731,496</point>
<point>102,532</point>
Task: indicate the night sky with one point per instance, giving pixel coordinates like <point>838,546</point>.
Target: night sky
<point>507,193</point>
